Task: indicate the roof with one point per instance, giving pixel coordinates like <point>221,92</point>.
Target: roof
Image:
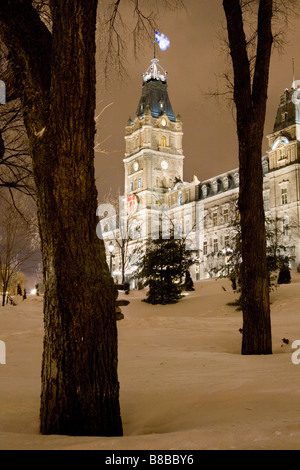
<point>288,112</point>
<point>155,93</point>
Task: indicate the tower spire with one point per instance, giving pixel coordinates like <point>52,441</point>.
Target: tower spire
<point>155,72</point>
<point>294,84</point>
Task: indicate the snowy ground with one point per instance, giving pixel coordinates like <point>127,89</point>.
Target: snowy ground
<point>184,384</point>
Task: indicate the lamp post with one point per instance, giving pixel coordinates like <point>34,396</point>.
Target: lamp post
<point>111,249</point>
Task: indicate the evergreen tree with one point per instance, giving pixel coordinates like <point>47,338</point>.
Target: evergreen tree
<point>189,284</point>
<point>19,290</point>
<point>163,268</point>
<point>284,276</point>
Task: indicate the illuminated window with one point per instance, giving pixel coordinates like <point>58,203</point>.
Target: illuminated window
<point>215,219</point>
<point>225,215</point>
<point>284,199</point>
<point>163,142</point>
<point>286,226</point>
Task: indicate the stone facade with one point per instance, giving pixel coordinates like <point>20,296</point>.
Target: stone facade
<point>156,197</point>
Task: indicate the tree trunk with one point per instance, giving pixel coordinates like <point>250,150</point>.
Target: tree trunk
<point>80,389</point>
<point>255,276</point>
<point>4,287</point>
<point>123,262</point>
<point>250,96</point>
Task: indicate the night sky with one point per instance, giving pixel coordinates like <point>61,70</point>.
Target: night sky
<point>195,62</point>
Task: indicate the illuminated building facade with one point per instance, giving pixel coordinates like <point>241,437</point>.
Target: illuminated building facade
<point>156,197</point>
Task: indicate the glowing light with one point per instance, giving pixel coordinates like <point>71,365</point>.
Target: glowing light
<point>278,141</point>
<point>33,292</point>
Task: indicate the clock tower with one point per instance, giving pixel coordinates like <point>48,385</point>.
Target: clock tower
<point>153,155</point>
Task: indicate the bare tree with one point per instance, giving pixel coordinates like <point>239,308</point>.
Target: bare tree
<point>53,73</point>
<point>250,28</point>
<point>250,97</point>
<point>15,161</point>
<point>51,68</point>
<point>16,243</point>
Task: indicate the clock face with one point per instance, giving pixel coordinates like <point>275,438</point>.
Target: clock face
<point>163,122</point>
<point>164,165</point>
<point>136,166</point>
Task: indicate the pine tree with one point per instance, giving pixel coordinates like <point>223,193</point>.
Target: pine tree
<point>189,284</point>
<point>163,268</point>
<point>284,276</point>
<point>19,290</point>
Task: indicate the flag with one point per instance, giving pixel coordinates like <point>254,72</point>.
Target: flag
<point>162,40</point>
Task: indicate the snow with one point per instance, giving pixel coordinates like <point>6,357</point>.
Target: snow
<point>183,383</point>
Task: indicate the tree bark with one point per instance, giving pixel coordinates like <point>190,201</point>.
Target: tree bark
<point>250,96</point>
<point>80,389</point>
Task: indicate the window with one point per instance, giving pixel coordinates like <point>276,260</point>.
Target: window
<point>266,201</point>
<point>215,219</point>
<point>131,186</point>
<point>284,199</point>
<point>281,149</point>
<point>225,216</point>
<point>226,241</point>
<point>205,248</point>
<point>180,199</point>
<point>180,229</point>
<point>140,183</point>
<point>216,245</point>
<point>286,226</point>
<point>158,181</point>
<point>163,141</point>
<point>187,225</point>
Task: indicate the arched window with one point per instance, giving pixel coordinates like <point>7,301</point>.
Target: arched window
<point>163,141</point>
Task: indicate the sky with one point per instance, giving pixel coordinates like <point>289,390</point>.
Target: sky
<point>195,62</point>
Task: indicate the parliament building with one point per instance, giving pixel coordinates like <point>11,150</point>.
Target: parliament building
<point>156,197</point>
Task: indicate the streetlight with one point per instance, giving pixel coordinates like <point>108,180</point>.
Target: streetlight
<point>111,249</point>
